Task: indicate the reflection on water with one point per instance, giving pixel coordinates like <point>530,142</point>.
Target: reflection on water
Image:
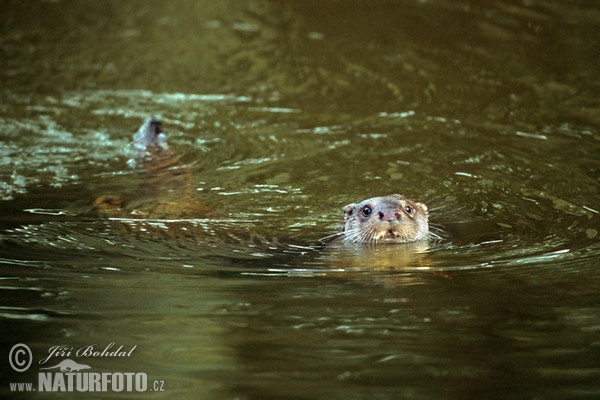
<point>488,113</point>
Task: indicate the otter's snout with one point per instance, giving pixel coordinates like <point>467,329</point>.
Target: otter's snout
<point>389,215</point>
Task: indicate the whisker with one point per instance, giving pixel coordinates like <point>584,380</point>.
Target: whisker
<point>435,232</point>
<point>351,235</point>
<point>331,237</point>
<point>434,236</point>
<point>436,226</point>
<point>372,238</point>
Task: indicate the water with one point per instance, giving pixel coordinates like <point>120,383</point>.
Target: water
<point>289,111</point>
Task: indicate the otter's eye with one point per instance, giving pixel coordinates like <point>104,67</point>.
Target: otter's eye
<point>366,211</point>
<point>408,209</point>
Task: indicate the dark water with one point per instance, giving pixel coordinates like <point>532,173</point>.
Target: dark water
<point>489,113</point>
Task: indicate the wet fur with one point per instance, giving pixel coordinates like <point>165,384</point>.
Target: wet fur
<point>389,219</point>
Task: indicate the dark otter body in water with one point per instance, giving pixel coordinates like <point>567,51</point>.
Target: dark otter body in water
<point>167,194</point>
<point>165,206</point>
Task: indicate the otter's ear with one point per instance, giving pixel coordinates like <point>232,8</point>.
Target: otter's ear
<point>422,206</point>
<point>348,210</point>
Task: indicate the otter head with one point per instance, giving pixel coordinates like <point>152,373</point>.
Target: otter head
<point>150,149</point>
<point>388,219</point>
<point>150,134</point>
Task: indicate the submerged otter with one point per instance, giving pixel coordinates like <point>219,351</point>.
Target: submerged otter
<point>167,192</point>
<point>386,219</point>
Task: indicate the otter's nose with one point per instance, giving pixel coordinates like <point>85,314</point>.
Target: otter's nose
<point>389,215</point>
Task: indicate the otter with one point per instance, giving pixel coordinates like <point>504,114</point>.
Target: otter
<point>165,204</point>
<point>381,220</point>
<point>151,150</point>
<point>385,219</point>
<point>168,190</point>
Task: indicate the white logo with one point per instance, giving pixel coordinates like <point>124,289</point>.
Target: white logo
<point>70,376</point>
<point>69,366</point>
<point>20,357</point>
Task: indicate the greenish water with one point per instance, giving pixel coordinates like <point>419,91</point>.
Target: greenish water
<point>488,113</point>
